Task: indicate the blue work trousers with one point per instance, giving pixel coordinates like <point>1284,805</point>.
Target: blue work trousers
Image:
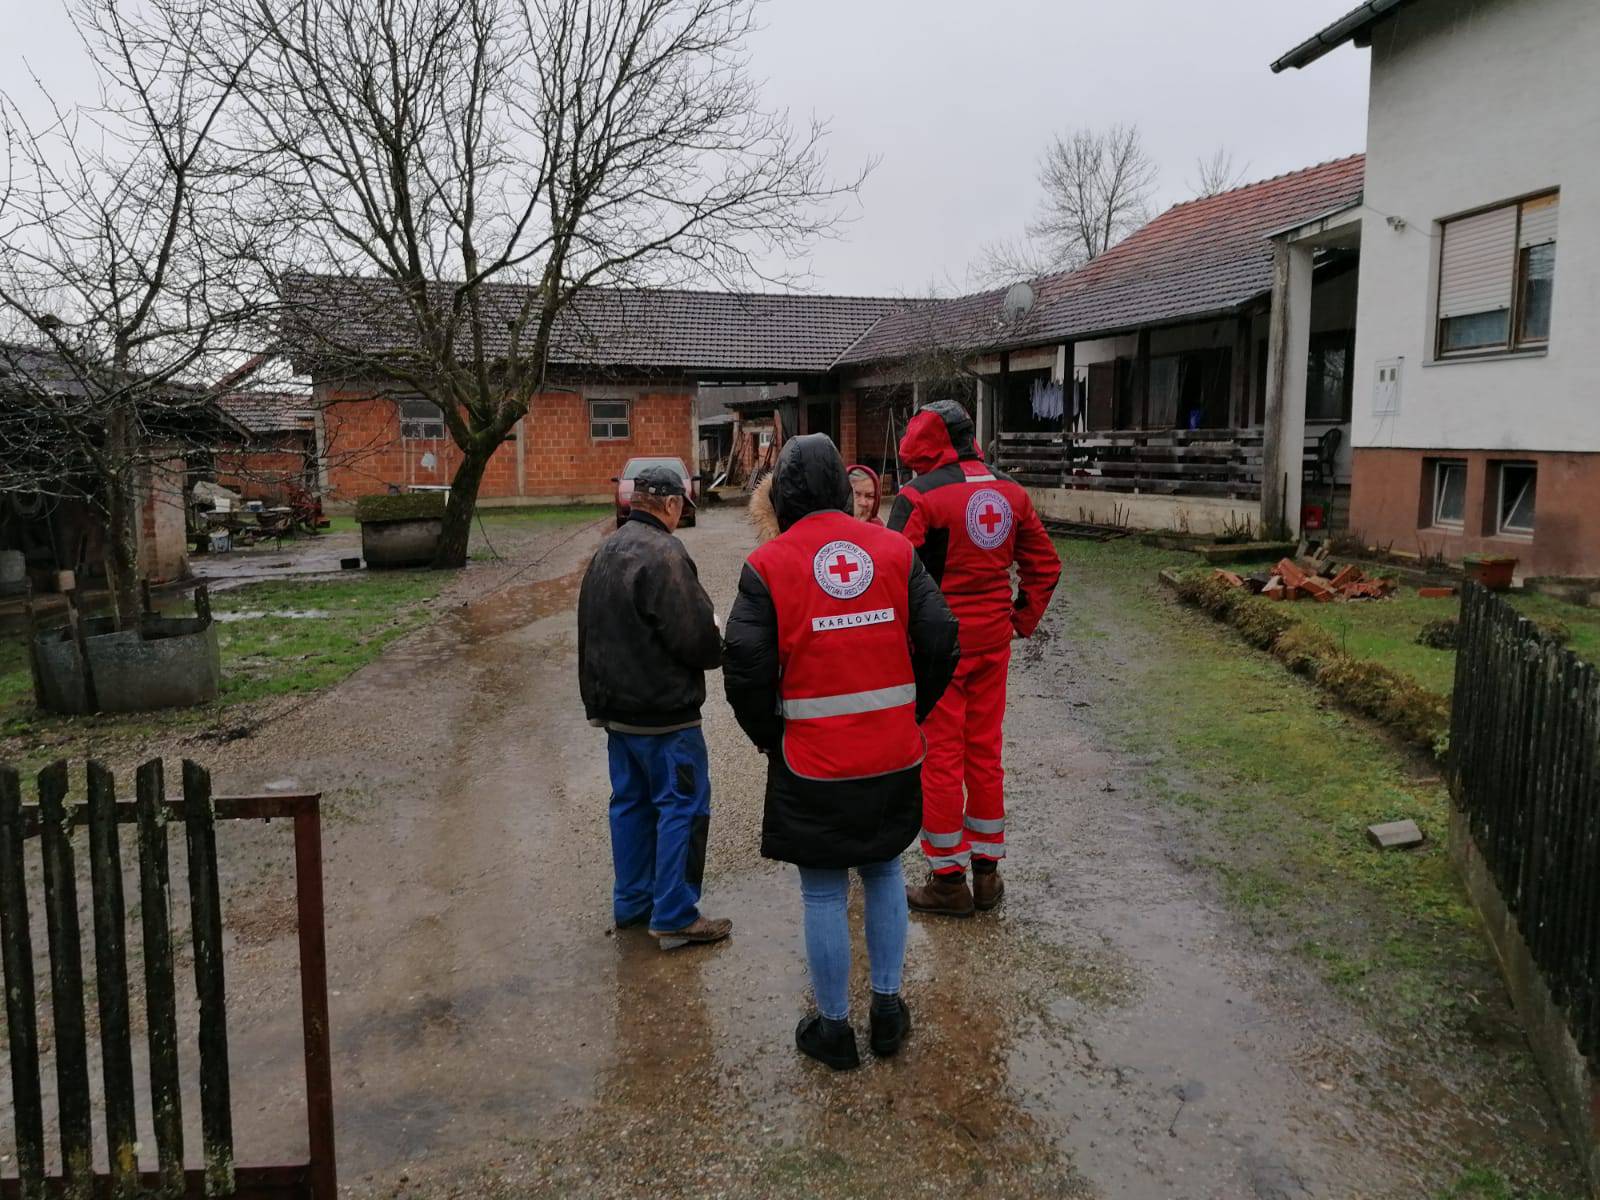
<point>660,814</point>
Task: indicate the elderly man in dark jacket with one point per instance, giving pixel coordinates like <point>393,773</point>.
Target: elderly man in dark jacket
<point>646,638</point>
<point>838,645</point>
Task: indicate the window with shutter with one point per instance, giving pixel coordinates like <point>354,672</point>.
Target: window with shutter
<point>1496,275</point>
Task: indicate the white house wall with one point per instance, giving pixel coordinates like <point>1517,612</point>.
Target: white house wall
<point>1474,102</point>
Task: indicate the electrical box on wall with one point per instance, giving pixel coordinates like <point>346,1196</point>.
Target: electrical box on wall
<point>1386,389</point>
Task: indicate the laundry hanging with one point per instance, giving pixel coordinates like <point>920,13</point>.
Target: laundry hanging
<point>1047,400</point>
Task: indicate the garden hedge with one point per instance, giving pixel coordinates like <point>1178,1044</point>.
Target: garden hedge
<point>1394,700</point>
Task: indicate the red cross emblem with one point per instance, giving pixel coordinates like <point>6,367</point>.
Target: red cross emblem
<point>842,569</point>
<point>989,519</point>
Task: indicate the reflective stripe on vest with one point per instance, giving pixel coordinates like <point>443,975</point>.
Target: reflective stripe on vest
<point>810,707</point>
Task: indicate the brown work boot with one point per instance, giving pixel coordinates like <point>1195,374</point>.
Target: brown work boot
<point>944,895</point>
<point>988,889</point>
<point>704,929</point>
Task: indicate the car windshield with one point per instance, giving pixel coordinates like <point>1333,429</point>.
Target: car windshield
<point>635,465</point>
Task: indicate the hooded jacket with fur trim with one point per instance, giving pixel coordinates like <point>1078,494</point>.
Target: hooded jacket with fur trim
<point>970,523</point>
<point>838,822</point>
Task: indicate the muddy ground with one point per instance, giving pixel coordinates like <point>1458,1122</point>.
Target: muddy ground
<point>1111,1031</point>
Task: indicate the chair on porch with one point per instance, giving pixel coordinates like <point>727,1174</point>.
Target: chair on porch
<point>1322,455</point>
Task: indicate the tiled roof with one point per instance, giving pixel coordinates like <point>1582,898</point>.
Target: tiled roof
<point>1197,258</point>
<point>1356,24</point>
<point>269,412</point>
<point>710,333</point>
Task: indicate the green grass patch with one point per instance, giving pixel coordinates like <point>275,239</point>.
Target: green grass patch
<point>266,655</point>
<point>274,655</point>
<point>1385,631</point>
<point>1281,784</point>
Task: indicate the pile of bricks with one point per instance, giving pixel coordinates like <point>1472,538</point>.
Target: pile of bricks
<point>1312,579</point>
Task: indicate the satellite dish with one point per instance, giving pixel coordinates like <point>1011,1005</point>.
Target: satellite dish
<point>1019,299</point>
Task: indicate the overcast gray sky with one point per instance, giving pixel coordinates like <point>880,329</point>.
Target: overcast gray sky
<point>958,97</point>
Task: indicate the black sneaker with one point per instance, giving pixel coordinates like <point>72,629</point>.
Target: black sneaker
<point>889,1029</point>
<point>837,1050</point>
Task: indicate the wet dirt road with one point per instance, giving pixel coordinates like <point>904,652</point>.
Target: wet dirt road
<point>1110,1031</point>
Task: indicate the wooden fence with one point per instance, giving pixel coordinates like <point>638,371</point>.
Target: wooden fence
<point>52,821</point>
<point>1523,770</point>
<point>1192,462</point>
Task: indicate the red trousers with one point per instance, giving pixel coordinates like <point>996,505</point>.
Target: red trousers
<point>963,783</point>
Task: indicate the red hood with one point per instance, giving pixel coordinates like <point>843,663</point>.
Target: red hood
<point>926,445</point>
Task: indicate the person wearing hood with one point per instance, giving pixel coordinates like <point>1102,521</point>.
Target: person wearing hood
<point>868,493</point>
<point>837,647</point>
<point>970,525</point>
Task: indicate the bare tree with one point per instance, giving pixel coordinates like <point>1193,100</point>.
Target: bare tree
<point>1097,186</point>
<point>1216,174</point>
<point>120,277</point>
<point>448,148</point>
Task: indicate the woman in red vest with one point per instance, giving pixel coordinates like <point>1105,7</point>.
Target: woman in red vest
<point>838,645</point>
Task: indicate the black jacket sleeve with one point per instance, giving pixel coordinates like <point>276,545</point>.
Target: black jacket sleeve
<point>750,662</point>
<point>935,642</point>
<point>673,602</point>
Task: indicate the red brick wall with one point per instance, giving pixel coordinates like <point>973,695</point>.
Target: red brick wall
<point>847,426</point>
<point>163,538</point>
<point>265,472</point>
<point>366,454</point>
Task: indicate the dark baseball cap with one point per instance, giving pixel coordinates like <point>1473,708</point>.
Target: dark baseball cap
<point>662,481</point>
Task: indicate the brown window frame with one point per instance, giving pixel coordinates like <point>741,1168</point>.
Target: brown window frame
<point>1515,342</point>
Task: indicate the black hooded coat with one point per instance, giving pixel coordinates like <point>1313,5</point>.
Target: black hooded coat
<point>828,823</point>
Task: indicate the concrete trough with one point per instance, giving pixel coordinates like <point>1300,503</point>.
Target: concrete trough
<point>411,542</point>
<point>169,662</point>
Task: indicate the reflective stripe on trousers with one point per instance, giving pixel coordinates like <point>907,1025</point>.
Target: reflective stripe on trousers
<point>942,841</point>
<point>984,825</point>
<point>848,703</point>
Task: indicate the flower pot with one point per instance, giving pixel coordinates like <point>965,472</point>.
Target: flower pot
<point>1494,571</point>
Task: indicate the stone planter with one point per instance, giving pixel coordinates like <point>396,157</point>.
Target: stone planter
<point>400,531</point>
<point>410,543</point>
<point>168,662</point>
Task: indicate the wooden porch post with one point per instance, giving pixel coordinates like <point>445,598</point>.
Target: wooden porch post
<point>1141,378</point>
<point>1239,385</point>
<point>1283,431</point>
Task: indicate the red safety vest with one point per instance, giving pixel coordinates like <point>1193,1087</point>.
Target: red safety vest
<point>847,693</point>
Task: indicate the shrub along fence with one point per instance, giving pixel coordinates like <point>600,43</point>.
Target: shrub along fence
<point>1525,780</point>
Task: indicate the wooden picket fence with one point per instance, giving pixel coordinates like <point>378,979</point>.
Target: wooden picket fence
<point>52,821</point>
<point>1523,769</point>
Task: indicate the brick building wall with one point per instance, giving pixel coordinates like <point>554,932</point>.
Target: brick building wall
<point>557,459</point>
<point>265,472</point>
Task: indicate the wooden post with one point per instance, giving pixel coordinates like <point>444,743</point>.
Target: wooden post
<point>111,982</point>
<point>205,905</point>
<point>314,1004</point>
<point>166,1097</point>
<point>1141,378</point>
<point>202,602</point>
<point>1239,383</point>
<point>22,1027</point>
<point>75,620</point>
<point>66,983</point>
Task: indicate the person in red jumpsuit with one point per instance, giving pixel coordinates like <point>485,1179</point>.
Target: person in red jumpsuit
<point>970,524</point>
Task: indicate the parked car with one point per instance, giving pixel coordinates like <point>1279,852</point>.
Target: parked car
<point>624,481</point>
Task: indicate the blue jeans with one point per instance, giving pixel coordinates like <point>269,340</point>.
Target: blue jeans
<point>660,815</point>
<point>826,893</point>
